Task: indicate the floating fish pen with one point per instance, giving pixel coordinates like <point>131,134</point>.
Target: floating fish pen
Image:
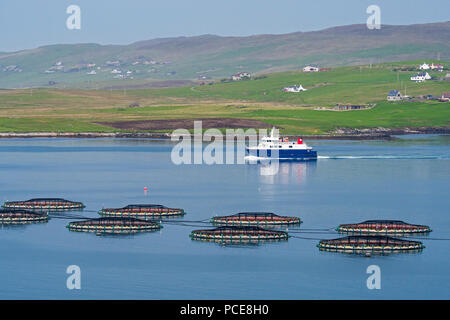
<point>48,204</point>
<point>383,227</point>
<point>8,216</point>
<point>368,244</point>
<point>238,234</point>
<point>142,211</point>
<point>114,225</point>
<point>254,219</point>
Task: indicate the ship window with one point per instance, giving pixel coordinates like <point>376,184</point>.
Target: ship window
<point>290,146</point>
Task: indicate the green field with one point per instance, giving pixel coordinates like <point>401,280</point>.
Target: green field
<point>43,110</point>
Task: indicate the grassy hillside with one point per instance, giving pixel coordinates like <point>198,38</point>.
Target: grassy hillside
<point>363,84</point>
<point>218,57</point>
<point>41,110</point>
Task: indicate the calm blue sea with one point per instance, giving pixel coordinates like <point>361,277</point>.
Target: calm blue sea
<point>406,179</point>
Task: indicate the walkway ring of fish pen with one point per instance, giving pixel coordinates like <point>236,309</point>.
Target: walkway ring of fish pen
<point>52,204</point>
<point>142,210</point>
<point>383,227</point>
<point>255,219</point>
<point>238,234</point>
<point>114,225</point>
<point>8,216</point>
<point>369,243</point>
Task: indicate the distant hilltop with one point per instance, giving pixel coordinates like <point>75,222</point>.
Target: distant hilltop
<point>216,57</point>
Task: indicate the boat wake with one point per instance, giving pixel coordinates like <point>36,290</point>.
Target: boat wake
<point>405,157</point>
<point>252,158</point>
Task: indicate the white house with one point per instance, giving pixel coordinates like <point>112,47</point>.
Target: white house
<point>92,72</point>
<point>421,77</point>
<point>240,76</point>
<point>424,66</point>
<point>311,68</point>
<point>298,88</point>
<point>394,95</point>
<point>116,71</point>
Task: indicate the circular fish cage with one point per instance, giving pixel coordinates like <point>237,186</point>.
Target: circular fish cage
<point>114,225</point>
<point>255,219</point>
<point>382,227</point>
<point>232,234</point>
<point>370,244</point>
<point>44,204</point>
<point>142,211</point>
<point>8,216</point>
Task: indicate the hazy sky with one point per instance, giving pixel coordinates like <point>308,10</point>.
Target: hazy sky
<point>28,24</point>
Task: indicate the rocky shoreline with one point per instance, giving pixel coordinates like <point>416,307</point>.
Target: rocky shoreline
<point>84,135</point>
<point>338,134</point>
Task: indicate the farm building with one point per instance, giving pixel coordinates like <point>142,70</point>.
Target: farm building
<point>424,66</point>
<point>421,77</point>
<point>350,107</point>
<point>298,88</point>
<point>311,68</point>
<point>394,95</point>
<point>240,76</point>
<point>437,67</point>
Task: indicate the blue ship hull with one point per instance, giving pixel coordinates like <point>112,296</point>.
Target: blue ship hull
<point>284,154</point>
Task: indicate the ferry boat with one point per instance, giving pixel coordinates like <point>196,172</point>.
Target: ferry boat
<point>275,147</point>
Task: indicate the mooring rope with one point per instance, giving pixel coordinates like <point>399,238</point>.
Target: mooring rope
<point>404,237</point>
<point>311,232</point>
<point>53,215</point>
<point>425,238</point>
<point>310,229</point>
<point>206,222</point>
<point>187,225</point>
<point>169,220</point>
<point>305,238</point>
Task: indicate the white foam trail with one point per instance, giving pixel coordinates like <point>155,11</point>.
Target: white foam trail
<point>251,158</point>
<point>413,157</point>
